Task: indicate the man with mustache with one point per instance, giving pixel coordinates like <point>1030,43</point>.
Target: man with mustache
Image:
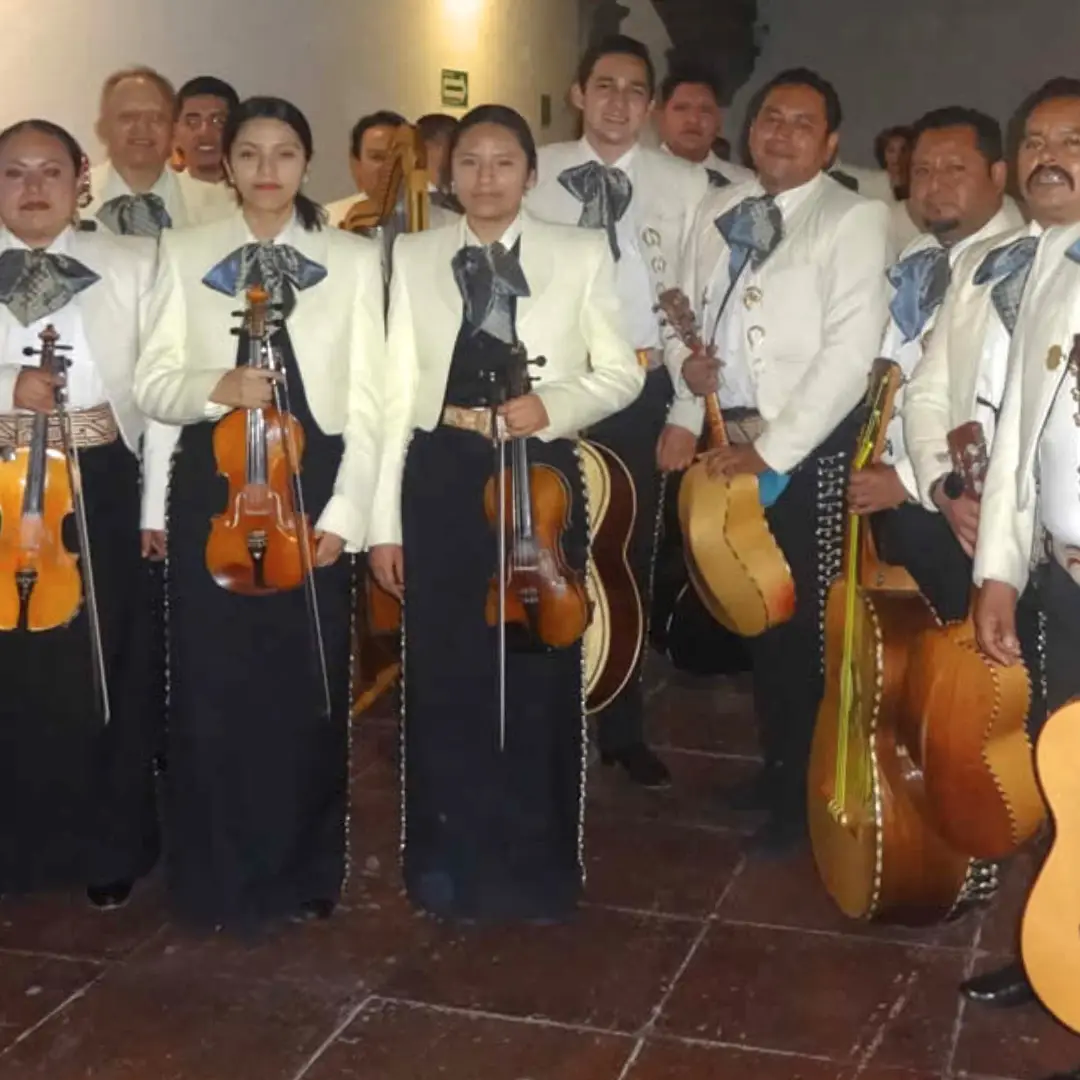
<point>203,105</point>
<point>645,201</point>
<point>135,193</point>
<point>787,272</point>
<point>958,175</point>
<point>1032,487</point>
<point>689,121</point>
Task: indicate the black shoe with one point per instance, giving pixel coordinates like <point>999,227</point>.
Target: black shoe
<point>110,897</point>
<point>641,765</point>
<point>779,835</point>
<point>1003,988</point>
<point>316,910</point>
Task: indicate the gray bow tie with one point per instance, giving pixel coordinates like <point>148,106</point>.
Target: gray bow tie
<point>34,284</point>
<point>920,281</point>
<point>752,229</point>
<point>1008,267</point>
<point>279,268</point>
<point>135,215</point>
<point>604,194</point>
<point>490,279</point>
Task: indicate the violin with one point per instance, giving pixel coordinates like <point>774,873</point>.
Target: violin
<point>40,584</point>
<point>263,542</point>
<point>528,505</point>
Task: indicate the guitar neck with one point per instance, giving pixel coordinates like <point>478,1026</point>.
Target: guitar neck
<point>714,423</point>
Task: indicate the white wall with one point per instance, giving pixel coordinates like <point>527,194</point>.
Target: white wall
<point>336,59</point>
<point>890,62</point>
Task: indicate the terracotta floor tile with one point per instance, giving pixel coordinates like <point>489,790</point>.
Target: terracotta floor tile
<point>604,970</point>
<point>698,781</point>
<point>1024,1042</point>
<point>664,1059</point>
<point>788,892</point>
<point>141,1024</point>
<point>391,1041</point>
<point>703,713</point>
<point>66,924</point>
<point>31,987</point>
<point>658,866</point>
<point>850,1000</point>
<point>359,948</point>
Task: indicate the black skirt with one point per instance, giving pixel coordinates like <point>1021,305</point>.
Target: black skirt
<point>488,833</point>
<point>256,786</point>
<point>77,803</point>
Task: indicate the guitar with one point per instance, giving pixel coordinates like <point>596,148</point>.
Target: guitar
<point>968,716</point>
<point>1049,942</point>
<point>732,558</point>
<point>875,849</point>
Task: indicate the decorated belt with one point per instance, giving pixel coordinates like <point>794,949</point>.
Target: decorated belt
<point>476,420</point>
<point>89,428</point>
<point>1067,556</point>
<point>743,425</point>
<point>649,359</point>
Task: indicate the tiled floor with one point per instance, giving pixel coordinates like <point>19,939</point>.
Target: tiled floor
<point>689,962</point>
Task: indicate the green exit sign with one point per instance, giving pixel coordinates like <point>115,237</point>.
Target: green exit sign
<point>455,89</point>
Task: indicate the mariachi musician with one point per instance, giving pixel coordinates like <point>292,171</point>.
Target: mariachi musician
<point>77,790</point>
<point>961,207</point>
<point>795,331</point>
<point>644,201</point>
<point>256,788</point>
<point>493,797</point>
<point>1035,435</point>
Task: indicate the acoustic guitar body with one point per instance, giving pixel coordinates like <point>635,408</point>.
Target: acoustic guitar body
<point>875,848</point>
<point>616,632</point>
<point>732,557</point>
<point>967,731</point>
<point>1050,930</point>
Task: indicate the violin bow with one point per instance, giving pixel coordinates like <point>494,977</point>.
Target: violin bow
<point>311,597</point>
<point>82,530</point>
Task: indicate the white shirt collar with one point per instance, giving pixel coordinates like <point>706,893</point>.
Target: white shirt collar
<point>60,246</point>
<point>625,162</point>
<point>116,185</point>
<point>508,238</point>
<point>289,235</point>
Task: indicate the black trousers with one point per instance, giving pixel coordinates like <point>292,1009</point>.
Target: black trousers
<point>632,434</point>
<point>807,522</point>
<point>1061,604</point>
<point>925,545</point>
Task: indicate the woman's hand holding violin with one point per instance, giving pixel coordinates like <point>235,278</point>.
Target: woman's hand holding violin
<point>524,416</point>
<point>246,388</point>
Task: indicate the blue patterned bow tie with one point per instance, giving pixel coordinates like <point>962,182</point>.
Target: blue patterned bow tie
<point>490,279</point>
<point>135,215</point>
<point>604,194</point>
<point>717,179</point>
<point>752,231</point>
<point>1008,267</point>
<point>279,268</point>
<point>34,284</point>
<point>920,282</point>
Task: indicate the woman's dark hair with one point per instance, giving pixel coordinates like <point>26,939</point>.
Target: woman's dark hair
<point>55,131</point>
<point>505,117</point>
<point>312,216</point>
